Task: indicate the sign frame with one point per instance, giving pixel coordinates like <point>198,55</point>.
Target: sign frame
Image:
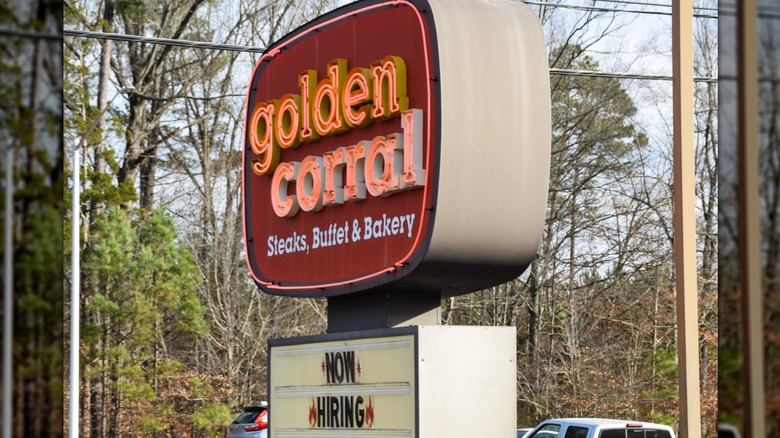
<point>487,161</point>
<point>398,267</point>
<point>443,378</point>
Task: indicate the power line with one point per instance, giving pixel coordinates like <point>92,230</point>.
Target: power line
<point>603,9</point>
<point>30,35</point>
<point>761,79</point>
<point>212,46</point>
<point>761,15</point>
<point>659,5</point>
<point>765,12</point>
<point>600,74</point>
<point>161,41</point>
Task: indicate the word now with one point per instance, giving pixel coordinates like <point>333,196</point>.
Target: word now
<point>340,367</point>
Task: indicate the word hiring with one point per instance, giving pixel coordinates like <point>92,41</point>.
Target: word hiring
<point>346,411</point>
<point>379,167</point>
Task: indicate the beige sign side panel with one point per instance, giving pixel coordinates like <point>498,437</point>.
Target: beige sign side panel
<point>384,379</point>
<point>495,132</point>
<point>467,378</point>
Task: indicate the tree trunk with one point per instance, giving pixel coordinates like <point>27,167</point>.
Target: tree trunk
<point>103,81</point>
<point>148,171</point>
<point>136,142</point>
<point>533,327</point>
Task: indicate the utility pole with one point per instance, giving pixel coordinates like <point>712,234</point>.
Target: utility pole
<point>8,295</point>
<point>685,219</point>
<point>754,417</point>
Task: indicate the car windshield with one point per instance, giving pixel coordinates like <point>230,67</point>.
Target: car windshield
<point>547,431</point>
<point>248,416</point>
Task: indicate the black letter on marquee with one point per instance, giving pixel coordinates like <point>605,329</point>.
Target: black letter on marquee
<point>334,412</point>
<point>329,367</point>
<point>360,413</point>
<point>338,363</point>
<point>321,408</point>
<point>347,410</point>
<point>349,365</point>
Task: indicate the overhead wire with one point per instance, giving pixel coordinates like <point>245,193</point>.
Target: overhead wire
<point>230,47</point>
<point>599,74</point>
<point>660,5</point>
<point>764,12</point>
<point>15,33</point>
<point>604,9</point>
<point>553,71</point>
<point>162,41</point>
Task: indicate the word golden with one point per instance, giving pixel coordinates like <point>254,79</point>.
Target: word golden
<point>343,100</point>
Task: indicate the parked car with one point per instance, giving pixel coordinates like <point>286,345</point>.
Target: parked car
<point>523,431</point>
<point>252,422</point>
<point>599,428</point>
<point>726,430</point>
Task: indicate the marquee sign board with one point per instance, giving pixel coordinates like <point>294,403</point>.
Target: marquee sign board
<point>398,145</point>
<point>400,382</point>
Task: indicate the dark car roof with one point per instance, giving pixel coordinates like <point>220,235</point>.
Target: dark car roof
<point>249,414</point>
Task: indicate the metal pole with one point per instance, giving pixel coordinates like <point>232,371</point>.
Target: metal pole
<point>75,303</point>
<point>8,295</point>
<point>750,222</point>
<point>685,219</point>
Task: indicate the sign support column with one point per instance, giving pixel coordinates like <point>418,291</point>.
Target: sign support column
<point>685,219</point>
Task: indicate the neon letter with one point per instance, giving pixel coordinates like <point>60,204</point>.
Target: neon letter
<point>305,81</point>
<point>357,94</point>
<point>261,138</point>
<point>355,187</point>
<point>326,106</point>
<point>284,205</point>
<point>334,168</point>
<point>413,174</point>
<point>380,178</point>
<point>288,121</point>
<point>309,187</point>
<point>389,87</point>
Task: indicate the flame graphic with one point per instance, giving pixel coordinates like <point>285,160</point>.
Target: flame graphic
<point>370,413</point>
<point>312,414</point>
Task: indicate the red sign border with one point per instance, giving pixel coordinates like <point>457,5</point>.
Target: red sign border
<point>384,278</point>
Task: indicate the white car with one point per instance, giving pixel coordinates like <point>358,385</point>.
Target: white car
<point>252,422</point>
<point>523,431</point>
<point>599,428</point>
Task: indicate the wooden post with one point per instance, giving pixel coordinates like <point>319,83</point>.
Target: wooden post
<point>685,219</point>
<point>750,221</point>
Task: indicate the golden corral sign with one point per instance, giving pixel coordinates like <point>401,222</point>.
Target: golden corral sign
<point>398,145</point>
<point>361,387</point>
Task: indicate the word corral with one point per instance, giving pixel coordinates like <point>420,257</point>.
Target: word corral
<point>344,100</point>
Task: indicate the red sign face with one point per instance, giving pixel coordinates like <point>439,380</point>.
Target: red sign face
<point>340,152</point>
